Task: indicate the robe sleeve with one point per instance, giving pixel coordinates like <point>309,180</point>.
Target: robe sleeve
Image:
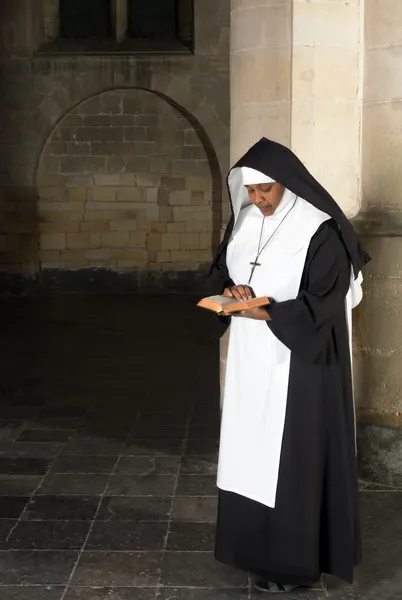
<point>304,324</point>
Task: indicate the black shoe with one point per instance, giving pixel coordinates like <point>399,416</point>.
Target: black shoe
<point>269,587</point>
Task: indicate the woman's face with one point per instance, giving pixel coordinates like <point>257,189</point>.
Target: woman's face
<point>266,196</point>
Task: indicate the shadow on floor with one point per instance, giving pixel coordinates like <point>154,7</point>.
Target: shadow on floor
<point>109,420</point>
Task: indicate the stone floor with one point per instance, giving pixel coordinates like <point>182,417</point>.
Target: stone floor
<point>108,433</point>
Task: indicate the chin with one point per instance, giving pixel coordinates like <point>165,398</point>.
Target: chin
<point>268,211</point>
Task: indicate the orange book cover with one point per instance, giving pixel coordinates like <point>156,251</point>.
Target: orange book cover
<point>226,306</point>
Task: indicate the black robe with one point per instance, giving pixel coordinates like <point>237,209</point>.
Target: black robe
<point>314,527</point>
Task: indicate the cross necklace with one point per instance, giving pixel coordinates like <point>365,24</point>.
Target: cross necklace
<point>260,249</point>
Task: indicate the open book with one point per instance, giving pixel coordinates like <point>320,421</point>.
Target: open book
<point>226,306</point>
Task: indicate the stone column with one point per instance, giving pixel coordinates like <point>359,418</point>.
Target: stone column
<point>379,340</point>
<point>327,89</point>
<point>260,77</point>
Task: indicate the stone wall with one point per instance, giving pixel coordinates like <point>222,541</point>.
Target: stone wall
<point>124,182</point>
<point>378,346</point>
<point>41,90</point>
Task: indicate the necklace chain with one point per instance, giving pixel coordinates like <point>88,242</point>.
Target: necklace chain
<point>261,249</point>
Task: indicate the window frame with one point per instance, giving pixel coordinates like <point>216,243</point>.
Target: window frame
<point>120,42</point>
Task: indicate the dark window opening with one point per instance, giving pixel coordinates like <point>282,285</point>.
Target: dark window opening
<point>89,19</point>
<point>161,21</point>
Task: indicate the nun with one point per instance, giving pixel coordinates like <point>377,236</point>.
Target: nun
<point>287,478</point>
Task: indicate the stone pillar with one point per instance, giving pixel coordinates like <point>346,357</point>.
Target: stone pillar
<point>379,336</point>
<point>260,77</point>
<point>327,88</point>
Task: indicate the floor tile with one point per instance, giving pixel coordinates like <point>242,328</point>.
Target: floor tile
<point>195,509</point>
<point>139,485</point>
<point>75,463</point>
<point>63,411</point>
<point>201,446</point>
<point>107,432</point>
<point>60,508</point>
<point>148,465</point>
<point>11,507</point>
<point>127,536</point>
<point>147,447</point>
<point>74,484</point>
<point>131,508</point>
<point>161,418</point>
<point>6,526</point>
<point>199,569</point>
<point>18,485</point>
<point>93,447</point>
<point>31,449</point>
<point>31,593</point>
<point>118,569</point>
<point>23,465</point>
<point>192,537</point>
<point>49,535</point>
<point>45,435</point>
<point>58,423</point>
<point>155,432</point>
<point>199,465</point>
<point>197,485</point>
<point>203,594</point>
<point>121,593</point>
<point>36,568</point>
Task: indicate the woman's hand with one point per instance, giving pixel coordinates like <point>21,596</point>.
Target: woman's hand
<point>258,314</point>
<point>239,292</point>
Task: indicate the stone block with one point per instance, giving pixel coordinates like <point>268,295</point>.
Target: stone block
<point>135,134</point>
<point>115,239</point>
<point>147,120</point>
<point>130,194</point>
<point>105,216</point>
<point>77,194</point>
<point>106,179</point>
<point>180,197</point>
<point>97,121</point>
<point>127,179</point>
<point>117,164</point>
<point>198,198</point>
<point>261,26</point>
<point>54,194</point>
<point>55,148</point>
<point>383,23</point>
<point>49,256</point>
<point>148,180</point>
<point>198,184</point>
<point>152,195</point>
<point>177,227</point>
<point>138,164</point>
<point>66,227</point>
<point>319,23</point>
<point>125,225</point>
<point>52,241</point>
<point>138,239</point>
<point>185,168</point>
<point>380,83</point>
<point>77,241</point>
<point>111,103</point>
<point>72,121</point>
<point>95,240</point>
<point>311,66</point>
<point>132,104</point>
<point>50,180</point>
<point>90,107</point>
<point>96,254</point>
<point>160,164</point>
<point>170,241</point>
<point>154,242</point>
<point>78,148</point>
<point>122,120</point>
<point>102,194</point>
<point>192,138</point>
<point>190,241</point>
<point>163,256</point>
<point>99,134</point>
<point>85,164</point>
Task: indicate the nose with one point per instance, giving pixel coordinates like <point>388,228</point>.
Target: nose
<point>258,198</point>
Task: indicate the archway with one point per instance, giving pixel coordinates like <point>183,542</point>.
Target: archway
<point>128,180</point>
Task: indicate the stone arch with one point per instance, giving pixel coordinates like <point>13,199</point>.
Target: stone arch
<point>76,171</point>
